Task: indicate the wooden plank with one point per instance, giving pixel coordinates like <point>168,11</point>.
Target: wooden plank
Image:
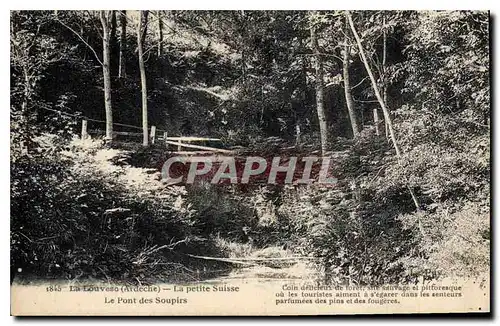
<point>168,140</point>
<point>126,133</point>
<point>179,144</point>
<point>96,132</point>
<point>123,133</point>
<point>189,139</point>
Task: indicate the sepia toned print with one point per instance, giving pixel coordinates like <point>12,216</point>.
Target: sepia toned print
<point>249,162</point>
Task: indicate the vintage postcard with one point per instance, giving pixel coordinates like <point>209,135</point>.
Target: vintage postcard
<point>239,162</point>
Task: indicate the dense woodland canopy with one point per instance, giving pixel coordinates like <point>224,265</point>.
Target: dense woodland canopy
<point>400,99</point>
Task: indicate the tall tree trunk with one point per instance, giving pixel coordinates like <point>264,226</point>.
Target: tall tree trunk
<point>145,23</point>
<point>123,44</point>
<point>301,108</point>
<point>145,138</point>
<point>114,44</point>
<point>113,24</point>
<point>382,105</point>
<point>160,33</point>
<point>320,90</point>
<point>243,52</point>
<point>347,85</point>
<point>105,22</point>
<point>303,75</point>
<point>384,79</point>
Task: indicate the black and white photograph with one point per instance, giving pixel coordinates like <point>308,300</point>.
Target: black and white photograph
<point>249,162</point>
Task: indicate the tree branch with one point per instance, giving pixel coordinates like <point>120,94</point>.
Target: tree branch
<point>82,39</point>
<point>362,80</point>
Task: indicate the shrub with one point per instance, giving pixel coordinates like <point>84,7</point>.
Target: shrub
<point>75,214</point>
<point>218,211</point>
<point>456,242</point>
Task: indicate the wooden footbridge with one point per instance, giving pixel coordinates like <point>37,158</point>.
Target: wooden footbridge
<point>185,145</point>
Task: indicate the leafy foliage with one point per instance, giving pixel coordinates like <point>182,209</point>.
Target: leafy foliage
<point>247,77</point>
<point>74,214</point>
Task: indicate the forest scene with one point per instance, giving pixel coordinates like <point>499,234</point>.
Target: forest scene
<point>398,100</point>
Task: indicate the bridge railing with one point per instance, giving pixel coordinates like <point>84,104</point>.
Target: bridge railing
<point>181,142</point>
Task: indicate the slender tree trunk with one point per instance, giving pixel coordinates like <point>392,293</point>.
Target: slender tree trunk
<point>104,16</point>
<point>145,30</point>
<point>301,108</point>
<point>384,79</point>
<point>113,44</point>
<point>113,24</point>
<point>320,91</point>
<point>303,76</point>
<point>145,138</point>
<point>243,52</point>
<point>347,86</point>
<point>160,34</point>
<point>382,104</point>
<point>123,44</point>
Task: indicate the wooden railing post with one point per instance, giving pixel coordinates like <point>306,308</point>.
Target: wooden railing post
<point>84,129</point>
<point>165,136</point>
<point>179,147</point>
<point>153,134</point>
